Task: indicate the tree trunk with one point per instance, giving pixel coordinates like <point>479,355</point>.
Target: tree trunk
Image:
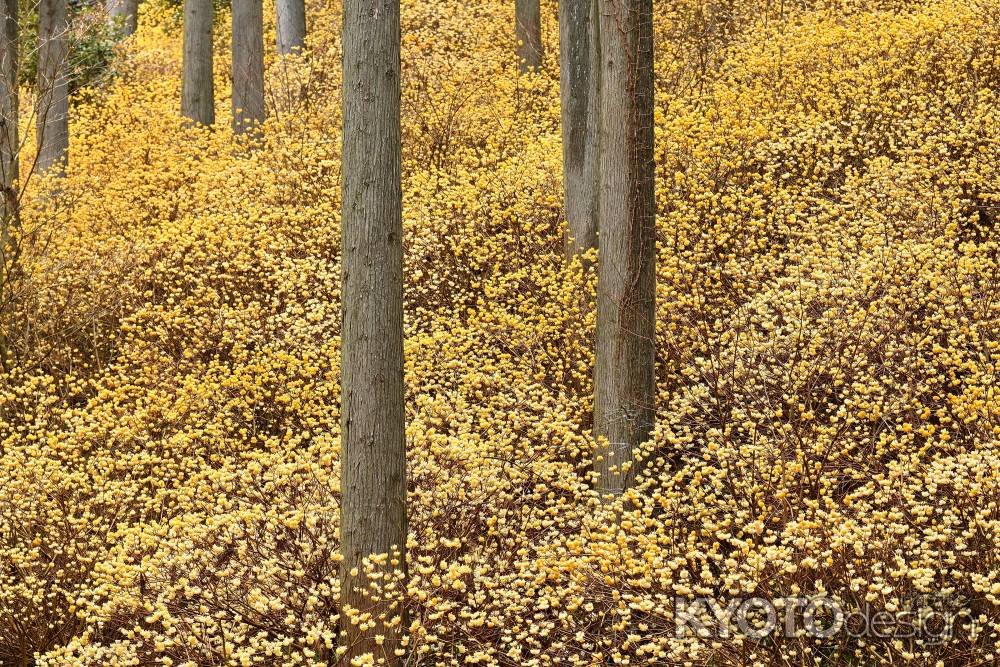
<point>579,68</point>
<point>291,25</point>
<point>9,137</point>
<point>126,12</point>
<point>248,65</point>
<point>53,87</point>
<point>624,377</point>
<point>528,18</point>
<point>373,453</point>
<point>197,84</point>
<point>9,150</point>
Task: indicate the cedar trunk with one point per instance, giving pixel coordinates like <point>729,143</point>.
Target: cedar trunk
<point>528,20</point>
<point>52,125</point>
<point>125,11</point>
<point>9,136</point>
<point>9,150</point>
<point>373,455</point>
<point>579,68</point>
<point>197,85</point>
<point>248,65</point>
<point>624,377</point>
<point>291,25</point>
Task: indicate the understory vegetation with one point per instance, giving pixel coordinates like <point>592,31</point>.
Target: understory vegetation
<point>828,333</point>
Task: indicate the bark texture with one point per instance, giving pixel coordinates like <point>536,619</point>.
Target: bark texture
<point>197,84</point>
<point>624,377</point>
<point>53,87</point>
<point>373,455</point>
<point>9,151</point>
<point>579,68</point>
<point>528,19</point>
<point>291,25</point>
<point>9,137</point>
<point>248,65</point>
<point>126,12</point>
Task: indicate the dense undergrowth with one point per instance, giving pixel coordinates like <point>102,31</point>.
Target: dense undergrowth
<point>828,332</point>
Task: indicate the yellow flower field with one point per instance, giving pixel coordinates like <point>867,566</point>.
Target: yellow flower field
<point>828,337</point>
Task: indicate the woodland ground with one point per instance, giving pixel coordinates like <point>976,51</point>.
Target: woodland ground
<point>828,418</point>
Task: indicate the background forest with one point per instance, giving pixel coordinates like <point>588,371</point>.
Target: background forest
<point>828,330</point>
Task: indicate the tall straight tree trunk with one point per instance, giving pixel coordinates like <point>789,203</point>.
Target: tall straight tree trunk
<point>10,139</point>
<point>53,87</point>
<point>291,25</point>
<point>579,68</point>
<point>528,19</point>
<point>197,84</point>
<point>624,377</point>
<point>248,65</point>
<point>9,150</point>
<point>126,12</point>
<point>373,450</point>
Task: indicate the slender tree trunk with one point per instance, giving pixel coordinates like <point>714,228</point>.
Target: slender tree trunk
<point>9,164</point>
<point>624,377</point>
<point>373,454</point>
<point>53,87</point>
<point>197,84</point>
<point>10,140</point>
<point>291,25</point>
<point>579,68</point>
<point>248,65</point>
<point>528,19</point>
<point>125,11</point>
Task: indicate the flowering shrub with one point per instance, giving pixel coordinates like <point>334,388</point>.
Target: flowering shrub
<point>828,329</point>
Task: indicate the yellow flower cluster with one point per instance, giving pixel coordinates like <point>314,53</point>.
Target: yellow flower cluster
<point>828,340</point>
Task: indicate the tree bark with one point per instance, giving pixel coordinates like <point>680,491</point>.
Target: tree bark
<point>9,164</point>
<point>248,65</point>
<point>373,455</point>
<point>624,377</point>
<point>10,140</point>
<point>52,125</point>
<point>291,25</point>
<point>579,68</point>
<point>197,84</point>
<point>528,19</point>
<point>126,12</point>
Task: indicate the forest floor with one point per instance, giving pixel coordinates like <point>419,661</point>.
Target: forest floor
<point>828,330</point>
